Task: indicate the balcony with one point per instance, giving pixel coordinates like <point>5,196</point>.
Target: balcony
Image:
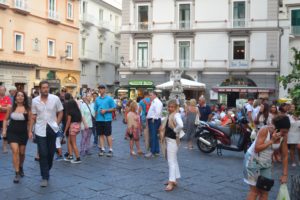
<point>143,26</point>
<point>3,4</point>
<point>239,23</point>
<point>142,64</point>
<point>184,25</point>
<point>295,30</point>
<point>239,64</point>
<point>87,20</point>
<point>103,26</point>
<point>20,6</point>
<point>184,64</point>
<point>53,17</point>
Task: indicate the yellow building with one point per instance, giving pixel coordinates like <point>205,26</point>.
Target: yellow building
<point>38,41</point>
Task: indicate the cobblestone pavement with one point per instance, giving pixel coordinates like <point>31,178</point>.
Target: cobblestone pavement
<point>204,177</point>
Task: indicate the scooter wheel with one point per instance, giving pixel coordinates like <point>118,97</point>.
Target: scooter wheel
<point>204,147</point>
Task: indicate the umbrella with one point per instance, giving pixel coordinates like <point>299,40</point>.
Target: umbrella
<point>186,84</point>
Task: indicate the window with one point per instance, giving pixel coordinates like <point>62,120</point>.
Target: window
<point>143,17</point>
<point>184,54</point>
<point>83,46</point>
<point>239,50</point>
<point>239,14</point>
<point>100,15</point>
<point>83,69</point>
<point>51,47</point>
<point>70,10</point>
<point>19,42</point>
<point>142,54</point>
<point>295,21</point>
<point>52,5</point>
<point>37,74</point>
<point>97,70</point>
<point>184,16</point>
<point>116,23</point>
<point>100,50</point>
<point>1,38</point>
<point>69,48</point>
<point>117,54</point>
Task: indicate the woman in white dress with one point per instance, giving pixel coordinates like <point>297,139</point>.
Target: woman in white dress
<point>294,135</point>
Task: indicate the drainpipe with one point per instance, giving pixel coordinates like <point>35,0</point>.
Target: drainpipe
<point>280,37</point>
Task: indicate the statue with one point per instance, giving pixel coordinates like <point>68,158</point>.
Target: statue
<point>177,89</point>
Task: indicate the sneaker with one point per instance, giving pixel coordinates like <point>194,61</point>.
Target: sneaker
<point>294,165</point>
<point>76,161</point>
<point>148,155</point>
<point>109,154</point>
<point>101,153</point>
<point>59,158</point>
<point>68,159</point>
<point>44,183</point>
<point>21,172</point>
<point>17,177</point>
<point>156,154</point>
<point>66,154</point>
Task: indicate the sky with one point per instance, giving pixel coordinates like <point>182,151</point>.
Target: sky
<point>116,3</point>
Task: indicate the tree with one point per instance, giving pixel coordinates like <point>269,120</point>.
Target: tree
<point>293,79</point>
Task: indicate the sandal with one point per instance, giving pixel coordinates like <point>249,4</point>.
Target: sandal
<point>133,153</point>
<point>140,153</point>
<point>174,183</point>
<point>170,187</point>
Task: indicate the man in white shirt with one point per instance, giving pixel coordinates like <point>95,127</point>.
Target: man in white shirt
<point>47,111</point>
<point>154,120</point>
<point>249,110</point>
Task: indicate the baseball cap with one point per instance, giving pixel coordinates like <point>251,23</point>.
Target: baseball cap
<point>102,86</point>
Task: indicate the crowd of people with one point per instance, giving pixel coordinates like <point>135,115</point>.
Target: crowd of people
<point>52,120</point>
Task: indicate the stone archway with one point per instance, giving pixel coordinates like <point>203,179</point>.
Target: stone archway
<point>70,83</point>
<point>188,77</point>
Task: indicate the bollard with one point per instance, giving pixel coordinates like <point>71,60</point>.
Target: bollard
<point>295,188</point>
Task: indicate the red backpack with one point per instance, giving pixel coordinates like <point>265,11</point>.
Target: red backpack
<point>147,105</point>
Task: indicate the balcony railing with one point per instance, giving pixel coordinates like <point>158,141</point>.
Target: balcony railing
<point>143,26</point>
<point>239,23</point>
<point>53,15</point>
<point>21,5</point>
<point>296,30</point>
<point>142,64</point>
<point>184,64</point>
<point>239,64</point>
<point>87,19</point>
<point>104,25</point>
<point>184,25</point>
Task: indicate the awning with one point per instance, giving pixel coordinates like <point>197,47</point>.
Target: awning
<point>243,89</point>
<point>186,84</point>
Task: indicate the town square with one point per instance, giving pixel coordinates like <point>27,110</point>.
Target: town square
<point>150,99</point>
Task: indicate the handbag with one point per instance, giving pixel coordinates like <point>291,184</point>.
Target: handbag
<point>264,183</point>
<point>197,119</point>
<point>93,118</point>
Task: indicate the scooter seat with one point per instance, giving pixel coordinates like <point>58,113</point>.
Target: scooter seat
<point>223,129</point>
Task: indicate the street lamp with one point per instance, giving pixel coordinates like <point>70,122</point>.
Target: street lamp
<point>66,55</point>
<point>272,59</point>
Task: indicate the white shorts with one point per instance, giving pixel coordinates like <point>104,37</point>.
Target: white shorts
<point>58,142</point>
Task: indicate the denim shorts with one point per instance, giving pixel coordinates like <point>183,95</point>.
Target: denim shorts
<point>252,170</point>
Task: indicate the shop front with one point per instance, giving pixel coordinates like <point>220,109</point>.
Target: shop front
<point>135,89</point>
<point>233,91</point>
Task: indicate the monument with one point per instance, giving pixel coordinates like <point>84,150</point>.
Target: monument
<point>177,89</point>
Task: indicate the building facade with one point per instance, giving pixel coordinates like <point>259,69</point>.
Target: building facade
<point>100,25</point>
<point>289,15</point>
<point>39,41</point>
<point>233,47</point>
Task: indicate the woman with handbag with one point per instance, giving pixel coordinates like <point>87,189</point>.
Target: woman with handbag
<point>170,133</point>
<point>88,117</point>
<point>192,116</point>
<point>258,159</point>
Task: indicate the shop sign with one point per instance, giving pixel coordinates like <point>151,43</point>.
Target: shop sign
<point>140,83</point>
<point>243,90</point>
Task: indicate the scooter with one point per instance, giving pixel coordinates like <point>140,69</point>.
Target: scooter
<point>211,136</point>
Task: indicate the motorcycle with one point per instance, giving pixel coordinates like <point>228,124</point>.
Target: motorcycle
<point>211,136</point>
